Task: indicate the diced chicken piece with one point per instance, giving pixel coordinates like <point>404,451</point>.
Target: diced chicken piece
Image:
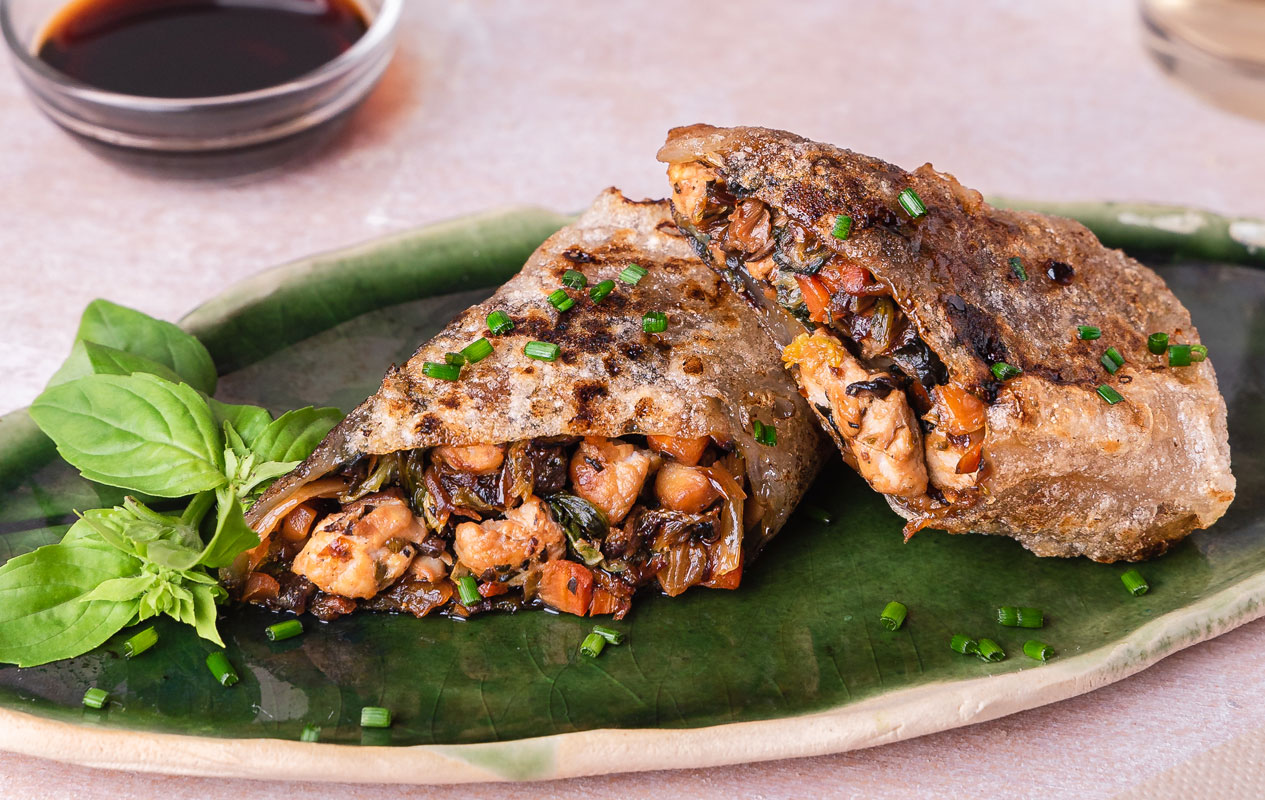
<point>882,432</point>
<point>478,459</point>
<point>685,449</point>
<point>943,458</point>
<point>504,546</point>
<point>609,475</point>
<point>689,185</point>
<point>362,550</point>
<point>683,488</point>
<point>431,569</point>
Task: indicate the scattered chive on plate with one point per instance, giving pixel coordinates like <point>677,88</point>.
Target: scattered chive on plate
<point>988,650</point>
<point>893,615</point>
<point>1038,651</point>
<point>592,645</point>
<point>140,642</point>
<point>284,630</point>
<point>1022,617</point>
<point>1135,583</point>
<point>375,717</point>
<point>220,667</point>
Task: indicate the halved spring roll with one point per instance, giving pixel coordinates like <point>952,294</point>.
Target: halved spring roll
<point>603,439</point>
<point>940,341</point>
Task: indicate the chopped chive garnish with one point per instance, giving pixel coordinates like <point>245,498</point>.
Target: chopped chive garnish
<point>499,322</point>
<point>817,513</point>
<point>541,351</point>
<point>1135,583</point>
<point>284,630</point>
<point>444,372</point>
<point>375,717</point>
<point>223,671</point>
<point>575,280</point>
<point>843,227</point>
<point>764,434</point>
<point>1179,355</point>
<point>592,645</point>
<point>1004,372</point>
<point>654,322</point>
<point>1198,353</point>
<point>140,642</point>
<point>1013,617</point>
<point>560,300</point>
<point>1157,343</point>
<point>95,698</point>
<point>1039,651</point>
<point>1016,266</point>
<point>893,615</point>
<point>477,350</point>
<point>311,733</point>
<point>468,588</point>
<point>988,650</point>
<point>1088,332</point>
<point>609,634</point>
<point>599,292</point>
<point>632,274</point>
<point>912,203</point>
<point>1109,394</point>
<point>964,645</point>
<point>1112,360</point>
<point>454,359</point>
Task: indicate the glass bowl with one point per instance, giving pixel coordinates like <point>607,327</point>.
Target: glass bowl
<point>203,124</point>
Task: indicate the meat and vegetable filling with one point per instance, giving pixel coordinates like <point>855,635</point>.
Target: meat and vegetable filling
<point>907,430</point>
<point>576,525</point>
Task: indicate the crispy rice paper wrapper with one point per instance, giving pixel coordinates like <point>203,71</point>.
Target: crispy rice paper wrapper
<point>1063,471</point>
<point>710,373</point>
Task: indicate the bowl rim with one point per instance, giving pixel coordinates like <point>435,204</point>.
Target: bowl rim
<point>380,29</point>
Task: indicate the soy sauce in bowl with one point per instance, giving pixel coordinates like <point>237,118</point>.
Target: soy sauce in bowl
<point>197,48</point>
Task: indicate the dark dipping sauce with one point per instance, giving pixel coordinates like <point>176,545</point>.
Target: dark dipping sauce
<point>197,48</point>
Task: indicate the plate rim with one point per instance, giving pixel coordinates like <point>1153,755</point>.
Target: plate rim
<point>889,717</point>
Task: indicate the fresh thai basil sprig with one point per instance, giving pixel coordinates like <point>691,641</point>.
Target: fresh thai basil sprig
<point>130,408</point>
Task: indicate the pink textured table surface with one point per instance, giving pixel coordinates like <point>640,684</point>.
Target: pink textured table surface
<point>493,103</point>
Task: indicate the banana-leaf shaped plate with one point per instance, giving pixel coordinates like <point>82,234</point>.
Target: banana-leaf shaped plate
<point>794,663</point>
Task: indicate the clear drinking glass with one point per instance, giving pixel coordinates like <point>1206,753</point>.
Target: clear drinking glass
<point>1214,47</point>
<point>204,125</point>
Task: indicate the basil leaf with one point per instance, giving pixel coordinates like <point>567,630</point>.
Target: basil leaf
<point>41,616</point>
<point>120,589</point>
<point>204,613</point>
<point>263,474</point>
<point>295,434</point>
<point>232,534</point>
<point>171,555</point>
<point>248,421</point>
<point>125,329</point>
<point>137,432</point>
<point>91,358</point>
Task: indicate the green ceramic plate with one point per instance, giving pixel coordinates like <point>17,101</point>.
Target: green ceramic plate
<point>794,663</point>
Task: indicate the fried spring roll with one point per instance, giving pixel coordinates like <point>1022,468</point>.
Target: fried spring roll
<point>938,340</point>
<point>627,424</point>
